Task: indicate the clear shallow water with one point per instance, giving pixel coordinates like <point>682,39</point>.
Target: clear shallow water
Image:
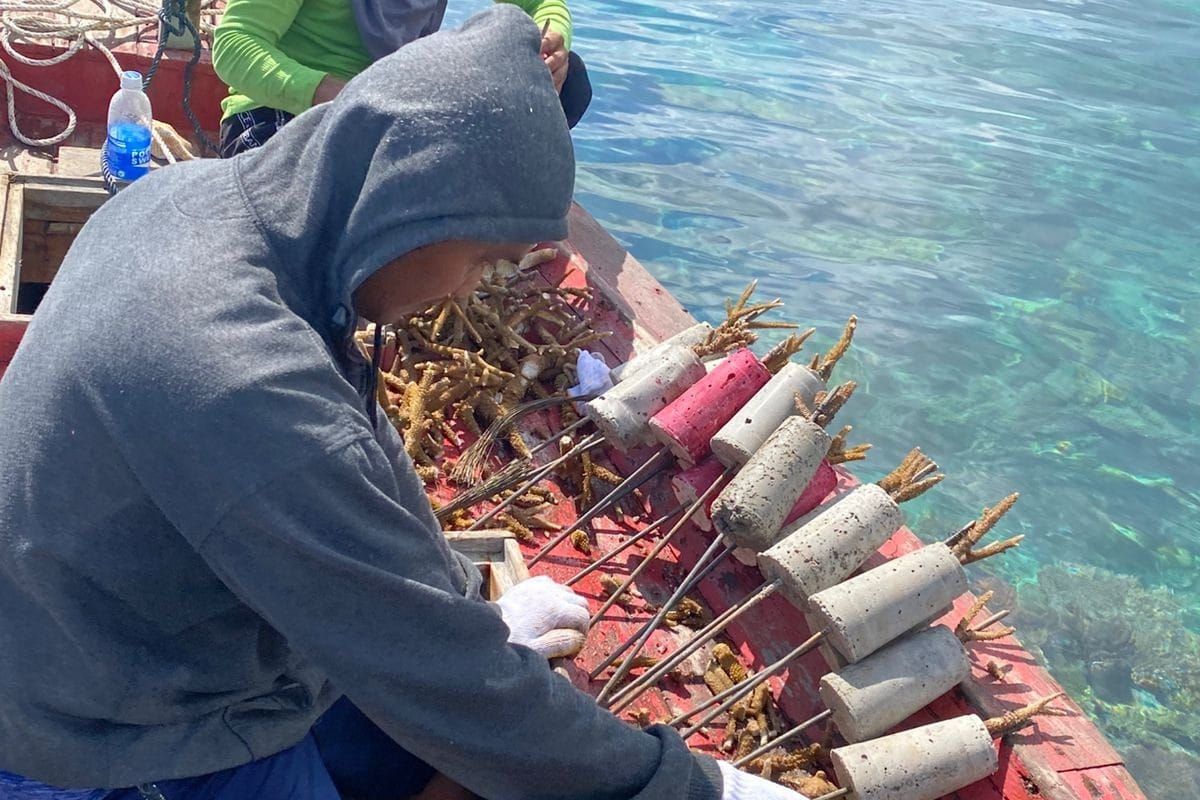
<point>1007,194</point>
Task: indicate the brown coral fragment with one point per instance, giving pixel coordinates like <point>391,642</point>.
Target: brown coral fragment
<point>966,633</point>
<point>733,724</point>
<point>747,739</point>
<point>964,541</point>
<point>738,329</point>
<point>581,542</point>
<point>716,679</point>
<point>840,453</point>
<point>639,661</point>
<point>796,759</point>
<point>510,522</point>
<point>688,613</point>
<point>759,699</point>
<point>828,404</point>
<point>724,656</point>
<point>993,549</point>
<point>603,473</point>
<point>914,490</point>
<point>830,359</point>
<point>912,477</point>
<point>998,671</point>
<point>814,785</point>
<point>973,611</point>
<point>779,355</point>
<point>1018,718</point>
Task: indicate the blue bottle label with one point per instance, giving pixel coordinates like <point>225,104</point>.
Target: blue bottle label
<point>128,150</point>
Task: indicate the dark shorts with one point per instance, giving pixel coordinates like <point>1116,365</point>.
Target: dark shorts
<point>250,129</point>
<point>343,756</point>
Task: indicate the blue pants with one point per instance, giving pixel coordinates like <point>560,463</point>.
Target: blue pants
<point>343,756</point>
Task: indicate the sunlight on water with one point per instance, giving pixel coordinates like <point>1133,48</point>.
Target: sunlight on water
<point>1007,195</point>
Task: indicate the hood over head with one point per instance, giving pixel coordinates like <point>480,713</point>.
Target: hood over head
<point>459,135</point>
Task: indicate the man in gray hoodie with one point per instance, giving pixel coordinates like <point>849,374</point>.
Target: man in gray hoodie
<point>208,545</point>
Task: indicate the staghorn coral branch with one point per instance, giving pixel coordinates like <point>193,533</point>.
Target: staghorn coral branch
<point>972,612</point>
<point>987,520</point>
<point>772,325</point>
<point>733,308</point>
<point>912,477</point>
<point>895,479</point>
<point>779,355</point>
<point>967,632</point>
<point>830,403</point>
<point>802,408</point>
<point>839,453</point>
<point>987,636</point>
<point>913,490</point>
<point>971,556</point>
<point>830,359</point>
<point>1018,718</point>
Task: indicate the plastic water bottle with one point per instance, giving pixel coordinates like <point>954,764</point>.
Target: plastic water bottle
<point>129,117</point>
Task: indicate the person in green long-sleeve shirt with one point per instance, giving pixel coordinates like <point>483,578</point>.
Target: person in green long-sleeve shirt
<point>280,57</point>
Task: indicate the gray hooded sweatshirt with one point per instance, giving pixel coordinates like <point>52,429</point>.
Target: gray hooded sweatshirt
<point>203,540</point>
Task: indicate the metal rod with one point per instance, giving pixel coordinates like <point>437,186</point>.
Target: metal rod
<point>481,449</point>
<point>695,582</point>
<point>579,423</point>
<point>783,738</point>
<point>634,689</point>
<point>992,620</point>
<point>625,545</point>
<point>739,690</point>
<point>716,545</point>
<point>593,441</point>
<point>645,472</point>
<point>712,565</point>
<point>834,795</point>
<point>958,535</point>
<point>649,559</point>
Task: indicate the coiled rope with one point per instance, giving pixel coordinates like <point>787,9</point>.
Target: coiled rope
<point>58,20</point>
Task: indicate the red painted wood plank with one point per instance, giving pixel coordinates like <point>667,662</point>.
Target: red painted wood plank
<point>652,313</point>
<point>86,82</point>
<point>12,328</point>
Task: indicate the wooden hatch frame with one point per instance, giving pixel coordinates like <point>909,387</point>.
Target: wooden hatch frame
<point>497,555</point>
<point>51,199</point>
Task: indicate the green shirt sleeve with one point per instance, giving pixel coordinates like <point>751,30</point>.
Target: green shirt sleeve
<point>246,55</point>
<point>554,12</point>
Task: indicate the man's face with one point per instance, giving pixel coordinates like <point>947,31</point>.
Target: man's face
<point>428,274</point>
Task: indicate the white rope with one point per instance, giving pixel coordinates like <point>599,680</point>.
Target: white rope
<point>54,21</point>
<point>12,84</point>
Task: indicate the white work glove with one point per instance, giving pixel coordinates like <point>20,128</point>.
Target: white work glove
<point>740,785</point>
<point>592,374</point>
<point>545,616</point>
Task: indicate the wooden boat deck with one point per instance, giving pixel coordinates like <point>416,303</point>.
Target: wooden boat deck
<point>1059,758</point>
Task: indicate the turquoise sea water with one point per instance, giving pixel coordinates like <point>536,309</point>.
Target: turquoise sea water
<point>1007,194</point>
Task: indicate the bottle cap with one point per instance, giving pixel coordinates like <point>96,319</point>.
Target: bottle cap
<point>131,79</point>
